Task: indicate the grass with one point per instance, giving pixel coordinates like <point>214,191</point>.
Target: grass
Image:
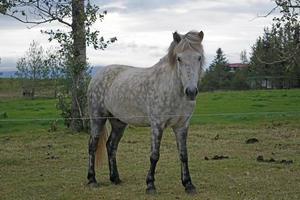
<point>37,164</point>
<point>19,109</point>
<point>12,87</point>
<point>242,107</point>
<point>248,106</point>
<point>53,165</point>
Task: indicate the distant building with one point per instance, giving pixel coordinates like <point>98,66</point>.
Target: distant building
<point>235,66</point>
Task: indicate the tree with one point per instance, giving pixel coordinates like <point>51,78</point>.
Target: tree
<point>32,67</point>
<point>289,19</point>
<point>239,80</point>
<point>217,76</point>
<point>243,57</point>
<point>73,43</point>
<point>268,61</point>
<point>55,63</point>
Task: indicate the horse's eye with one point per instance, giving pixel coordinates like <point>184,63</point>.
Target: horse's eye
<point>178,59</point>
<point>199,59</point>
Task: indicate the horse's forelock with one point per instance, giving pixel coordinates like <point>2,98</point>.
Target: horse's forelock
<point>192,40</point>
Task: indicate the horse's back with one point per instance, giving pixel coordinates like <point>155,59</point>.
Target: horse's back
<point>109,72</point>
<point>106,75</point>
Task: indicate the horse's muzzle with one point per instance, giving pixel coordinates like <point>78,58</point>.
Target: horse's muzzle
<point>191,93</point>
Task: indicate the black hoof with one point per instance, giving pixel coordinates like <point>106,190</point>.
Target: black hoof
<point>116,181</point>
<point>151,189</point>
<point>93,184</point>
<point>190,189</point>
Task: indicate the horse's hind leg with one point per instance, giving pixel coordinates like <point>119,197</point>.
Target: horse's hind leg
<point>96,127</point>
<point>117,131</point>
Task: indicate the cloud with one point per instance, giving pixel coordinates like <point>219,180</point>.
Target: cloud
<point>144,29</point>
<point>226,24</point>
<point>131,6</point>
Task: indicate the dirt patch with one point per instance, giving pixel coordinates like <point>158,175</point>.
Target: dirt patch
<point>131,141</point>
<point>216,157</point>
<point>216,137</point>
<point>260,158</point>
<point>251,141</point>
<point>52,157</point>
<point>48,146</point>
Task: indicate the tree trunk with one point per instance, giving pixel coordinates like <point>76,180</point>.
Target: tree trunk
<point>55,88</point>
<point>78,65</point>
<point>32,91</point>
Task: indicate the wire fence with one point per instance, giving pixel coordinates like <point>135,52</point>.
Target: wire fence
<point>147,116</point>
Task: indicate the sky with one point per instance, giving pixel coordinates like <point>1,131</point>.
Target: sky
<point>144,30</point>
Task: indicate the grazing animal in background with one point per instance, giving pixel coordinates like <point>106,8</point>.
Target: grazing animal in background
<point>161,96</point>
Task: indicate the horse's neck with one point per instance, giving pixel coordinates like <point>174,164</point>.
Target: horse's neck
<point>167,77</point>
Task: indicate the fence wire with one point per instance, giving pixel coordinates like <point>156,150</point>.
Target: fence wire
<point>147,116</point>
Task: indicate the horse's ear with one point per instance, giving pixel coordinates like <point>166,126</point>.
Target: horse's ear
<point>201,35</point>
<point>176,37</point>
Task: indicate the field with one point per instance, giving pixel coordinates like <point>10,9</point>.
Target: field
<point>38,164</point>
<point>12,87</point>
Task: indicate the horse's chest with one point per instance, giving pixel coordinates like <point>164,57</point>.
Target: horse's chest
<point>172,113</point>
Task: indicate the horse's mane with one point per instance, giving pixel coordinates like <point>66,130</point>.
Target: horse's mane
<point>191,41</point>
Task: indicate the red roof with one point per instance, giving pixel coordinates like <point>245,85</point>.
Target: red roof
<point>237,65</point>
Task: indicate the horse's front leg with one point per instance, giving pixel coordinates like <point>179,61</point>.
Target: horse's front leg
<point>156,136</point>
<point>181,136</point>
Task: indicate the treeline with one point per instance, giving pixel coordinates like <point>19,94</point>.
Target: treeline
<point>274,58</point>
<point>218,76</point>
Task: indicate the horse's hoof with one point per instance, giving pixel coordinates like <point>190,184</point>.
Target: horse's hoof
<point>116,181</point>
<point>190,189</point>
<point>151,190</point>
<point>93,184</point>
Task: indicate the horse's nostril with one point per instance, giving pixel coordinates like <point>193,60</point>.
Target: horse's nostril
<point>191,92</point>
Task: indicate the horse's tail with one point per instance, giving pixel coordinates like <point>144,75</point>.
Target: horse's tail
<point>101,147</point>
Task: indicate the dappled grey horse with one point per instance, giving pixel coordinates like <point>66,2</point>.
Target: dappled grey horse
<point>158,97</point>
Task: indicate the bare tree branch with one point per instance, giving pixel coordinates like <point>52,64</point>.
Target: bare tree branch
<point>46,12</point>
<point>270,12</point>
<point>266,15</point>
<point>283,59</point>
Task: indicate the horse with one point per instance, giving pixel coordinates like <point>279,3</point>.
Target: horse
<point>158,97</point>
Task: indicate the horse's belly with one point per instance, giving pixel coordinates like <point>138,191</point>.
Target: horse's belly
<point>131,117</point>
<point>136,121</point>
<point>127,111</point>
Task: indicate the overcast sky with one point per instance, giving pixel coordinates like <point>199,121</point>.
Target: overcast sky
<point>144,29</point>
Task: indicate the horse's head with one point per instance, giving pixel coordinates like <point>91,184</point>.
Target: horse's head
<point>186,54</point>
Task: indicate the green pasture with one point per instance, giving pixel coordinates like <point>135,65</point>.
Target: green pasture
<point>238,107</point>
<point>38,164</point>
